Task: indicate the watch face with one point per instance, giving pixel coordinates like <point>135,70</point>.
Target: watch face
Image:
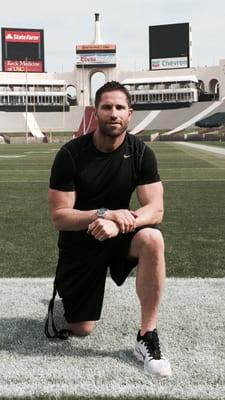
<point>101,212</point>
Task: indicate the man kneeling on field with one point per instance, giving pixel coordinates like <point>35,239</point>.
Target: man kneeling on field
<point>92,180</point>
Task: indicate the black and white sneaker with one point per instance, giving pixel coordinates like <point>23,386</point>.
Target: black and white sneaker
<point>147,350</point>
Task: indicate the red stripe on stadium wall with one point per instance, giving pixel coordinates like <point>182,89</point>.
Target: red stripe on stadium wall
<point>22,36</point>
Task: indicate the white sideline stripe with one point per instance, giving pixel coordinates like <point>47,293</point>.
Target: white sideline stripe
<point>212,149</point>
<point>24,181</point>
<point>195,118</point>
<point>192,168</point>
<point>145,122</point>
<point>30,170</point>
<point>28,280</point>
<point>193,180</point>
<point>33,125</point>
<point>191,327</point>
<point>38,152</point>
<point>164,180</point>
<point>13,156</point>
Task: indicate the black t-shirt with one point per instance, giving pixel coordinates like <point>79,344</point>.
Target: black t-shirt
<point>101,179</point>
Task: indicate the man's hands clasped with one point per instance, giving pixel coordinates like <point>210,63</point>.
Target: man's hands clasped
<point>125,219</point>
<point>114,222</point>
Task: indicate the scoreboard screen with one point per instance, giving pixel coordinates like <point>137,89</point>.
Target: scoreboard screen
<point>22,50</point>
<point>169,46</point>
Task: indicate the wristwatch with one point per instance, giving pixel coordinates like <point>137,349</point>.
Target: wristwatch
<point>101,212</point>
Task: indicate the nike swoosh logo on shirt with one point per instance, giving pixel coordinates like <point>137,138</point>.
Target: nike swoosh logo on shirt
<point>126,155</point>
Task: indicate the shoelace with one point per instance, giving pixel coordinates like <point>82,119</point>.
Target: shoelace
<point>152,345</point>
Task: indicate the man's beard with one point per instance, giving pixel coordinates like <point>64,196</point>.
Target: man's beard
<point>112,130</point>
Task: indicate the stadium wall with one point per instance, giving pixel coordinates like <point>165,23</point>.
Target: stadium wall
<point>205,74</point>
<point>71,119</point>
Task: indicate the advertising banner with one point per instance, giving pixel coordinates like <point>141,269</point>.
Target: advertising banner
<point>96,47</point>
<point>169,63</point>
<point>23,66</point>
<point>96,59</point>
<point>22,36</point>
<point>22,50</point>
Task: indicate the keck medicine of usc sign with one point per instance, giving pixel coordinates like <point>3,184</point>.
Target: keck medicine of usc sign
<point>23,66</point>
<point>22,37</point>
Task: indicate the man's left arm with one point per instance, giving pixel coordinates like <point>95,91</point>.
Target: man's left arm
<point>150,197</point>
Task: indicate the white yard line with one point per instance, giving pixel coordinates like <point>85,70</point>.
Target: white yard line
<point>191,327</point>
<point>190,168</point>
<point>193,180</point>
<point>24,181</point>
<point>164,180</point>
<point>12,156</point>
<point>39,152</point>
<point>212,149</point>
<point>29,170</point>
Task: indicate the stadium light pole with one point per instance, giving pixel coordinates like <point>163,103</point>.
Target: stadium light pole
<point>26,104</point>
<point>84,122</point>
<point>34,104</point>
<point>64,106</point>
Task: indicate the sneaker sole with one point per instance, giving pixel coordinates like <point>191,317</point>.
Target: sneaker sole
<point>141,358</point>
<point>158,376</point>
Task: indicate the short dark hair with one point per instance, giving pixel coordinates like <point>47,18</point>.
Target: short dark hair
<point>110,87</point>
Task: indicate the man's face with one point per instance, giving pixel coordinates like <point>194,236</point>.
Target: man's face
<point>113,113</point>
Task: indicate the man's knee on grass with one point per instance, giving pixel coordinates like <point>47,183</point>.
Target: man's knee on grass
<point>83,328</point>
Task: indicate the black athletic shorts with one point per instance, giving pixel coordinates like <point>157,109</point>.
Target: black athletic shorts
<point>81,274</point>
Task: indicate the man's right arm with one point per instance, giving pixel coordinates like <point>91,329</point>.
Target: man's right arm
<point>63,216</point>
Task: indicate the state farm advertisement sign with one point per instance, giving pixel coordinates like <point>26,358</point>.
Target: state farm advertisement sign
<point>23,66</point>
<point>22,36</point>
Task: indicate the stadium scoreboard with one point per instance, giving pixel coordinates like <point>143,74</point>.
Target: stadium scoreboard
<point>22,50</point>
<point>170,46</point>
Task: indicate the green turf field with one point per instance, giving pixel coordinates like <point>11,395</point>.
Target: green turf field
<point>193,225</point>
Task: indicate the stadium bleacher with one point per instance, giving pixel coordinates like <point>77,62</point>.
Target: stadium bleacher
<point>71,122</point>
<point>170,119</point>
<point>214,120</point>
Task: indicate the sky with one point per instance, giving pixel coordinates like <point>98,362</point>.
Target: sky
<point>67,23</point>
